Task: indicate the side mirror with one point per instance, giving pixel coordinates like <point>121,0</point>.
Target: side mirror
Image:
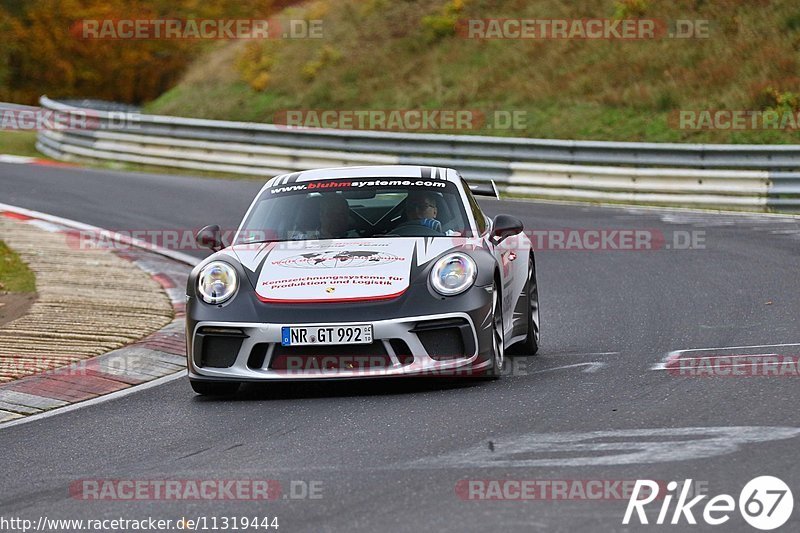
<point>210,237</point>
<point>505,226</point>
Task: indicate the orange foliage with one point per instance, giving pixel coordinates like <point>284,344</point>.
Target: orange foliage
<point>42,51</point>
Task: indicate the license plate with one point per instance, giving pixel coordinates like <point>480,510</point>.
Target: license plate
<point>326,335</point>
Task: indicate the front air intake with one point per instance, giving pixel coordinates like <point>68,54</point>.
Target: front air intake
<point>446,339</point>
<point>218,346</point>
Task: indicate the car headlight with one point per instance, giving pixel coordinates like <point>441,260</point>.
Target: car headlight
<point>453,274</point>
<point>217,282</point>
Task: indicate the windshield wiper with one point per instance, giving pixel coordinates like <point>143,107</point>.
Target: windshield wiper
<point>260,241</point>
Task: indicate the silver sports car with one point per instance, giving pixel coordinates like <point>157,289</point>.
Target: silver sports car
<point>361,272</point>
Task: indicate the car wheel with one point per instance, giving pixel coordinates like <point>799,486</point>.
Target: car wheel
<point>531,343</point>
<point>214,388</point>
<point>498,336</point>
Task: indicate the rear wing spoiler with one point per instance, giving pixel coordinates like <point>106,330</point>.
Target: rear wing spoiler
<point>485,189</point>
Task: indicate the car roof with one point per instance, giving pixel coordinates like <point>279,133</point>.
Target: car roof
<point>377,171</point>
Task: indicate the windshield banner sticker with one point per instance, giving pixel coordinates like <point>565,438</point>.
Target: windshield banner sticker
<point>359,271</point>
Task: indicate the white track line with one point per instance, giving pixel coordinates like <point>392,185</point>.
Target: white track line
<point>580,354</point>
<point>592,368</point>
<point>733,356</point>
<point>16,159</point>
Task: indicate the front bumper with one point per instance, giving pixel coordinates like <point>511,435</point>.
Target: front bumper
<point>409,346</point>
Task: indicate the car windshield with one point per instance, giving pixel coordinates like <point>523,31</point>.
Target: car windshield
<point>352,209</point>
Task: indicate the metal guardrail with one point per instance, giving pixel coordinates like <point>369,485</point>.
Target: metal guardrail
<point>746,176</point>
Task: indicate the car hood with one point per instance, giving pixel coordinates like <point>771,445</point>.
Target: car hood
<point>337,270</point>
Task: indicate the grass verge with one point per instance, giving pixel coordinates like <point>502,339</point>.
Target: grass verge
<point>383,55</point>
<point>19,143</point>
<point>15,276</point>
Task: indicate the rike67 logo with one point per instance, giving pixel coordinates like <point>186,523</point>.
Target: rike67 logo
<point>765,503</point>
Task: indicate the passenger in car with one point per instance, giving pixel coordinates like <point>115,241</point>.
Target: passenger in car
<point>421,208</point>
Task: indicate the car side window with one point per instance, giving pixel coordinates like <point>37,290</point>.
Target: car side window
<point>480,218</point>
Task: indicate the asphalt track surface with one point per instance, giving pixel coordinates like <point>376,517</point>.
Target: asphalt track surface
<point>389,455</point>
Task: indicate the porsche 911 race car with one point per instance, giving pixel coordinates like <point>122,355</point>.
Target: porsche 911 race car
<point>361,272</point>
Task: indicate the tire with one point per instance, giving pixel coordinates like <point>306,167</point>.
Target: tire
<point>495,371</point>
<point>530,346</point>
<point>214,388</point>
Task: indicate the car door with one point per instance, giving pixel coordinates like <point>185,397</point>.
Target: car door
<point>511,256</point>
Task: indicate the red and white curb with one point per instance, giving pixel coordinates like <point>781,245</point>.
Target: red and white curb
<point>156,359</point>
